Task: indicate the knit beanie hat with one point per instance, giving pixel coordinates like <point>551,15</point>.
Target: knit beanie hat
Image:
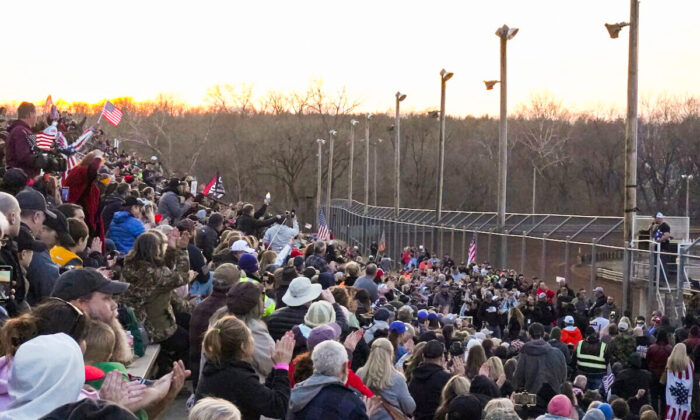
<point>243,297</point>
<point>319,313</point>
<point>607,410</point>
<point>325,332</point>
<point>248,263</point>
<point>326,280</point>
<point>594,414</point>
<point>560,405</point>
<point>464,407</point>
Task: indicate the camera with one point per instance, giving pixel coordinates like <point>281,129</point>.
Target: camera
<point>49,160</point>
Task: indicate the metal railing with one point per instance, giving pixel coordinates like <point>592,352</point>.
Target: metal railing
<point>536,244</point>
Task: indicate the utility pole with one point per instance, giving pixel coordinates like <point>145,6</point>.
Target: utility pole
<point>630,143</point>
<point>397,155</point>
<point>374,176</point>
<point>687,178</point>
<point>353,123</point>
<point>329,187</point>
<point>504,33</point>
<point>369,116</point>
<point>318,179</point>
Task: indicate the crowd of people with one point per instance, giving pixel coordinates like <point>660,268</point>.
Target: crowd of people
<point>256,319</point>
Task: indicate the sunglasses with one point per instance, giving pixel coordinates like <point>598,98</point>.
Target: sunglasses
<point>77,310</point>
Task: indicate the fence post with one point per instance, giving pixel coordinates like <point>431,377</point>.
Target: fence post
<point>651,284</point>
<point>464,245</point>
<point>594,268</point>
<point>363,241</point>
<point>566,259</point>
<point>488,248</point>
<point>504,246</point>
<point>523,253</point>
<point>452,244</point>
<point>422,228</point>
<point>543,268</point>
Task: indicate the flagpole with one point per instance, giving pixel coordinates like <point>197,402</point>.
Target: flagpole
<point>103,111</point>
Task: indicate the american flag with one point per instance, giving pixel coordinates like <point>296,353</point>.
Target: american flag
<point>48,104</point>
<point>112,113</point>
<point>323,234</point>
<point>215,187</point>
<point>472,252</point>
<point>45,140</point>
<point>382,243</point>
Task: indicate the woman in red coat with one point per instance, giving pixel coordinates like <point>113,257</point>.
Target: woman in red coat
<point>83,191</point>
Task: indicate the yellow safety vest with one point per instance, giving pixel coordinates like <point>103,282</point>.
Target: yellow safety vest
<point>269,304</point>
<point>589,360</point>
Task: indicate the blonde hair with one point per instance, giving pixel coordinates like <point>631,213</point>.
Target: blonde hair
<point>499,403</point>
<point>229,338</point>
<point>378,370</point>
<point>99,342</point>
<point>456,386</point>
<point>267,257</point>
<point>214,409</point>
<point>352,269</point>
<point>495,368</point>
<point>678,360</point>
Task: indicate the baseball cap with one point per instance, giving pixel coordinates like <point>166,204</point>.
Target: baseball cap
<point>622,326</point>
<point>25,241</point>
<point>31,199</point>
<point>659,214</point>
<point>598,289</point>
<point>397,326</point>
<point>569,320</point>
<point>382,314</point>
<point>422,314</point>
<point>433,349</point>
<point>82,281</point>
<point>542,295</point>
<point>60,225</point>
<point>241,246</point>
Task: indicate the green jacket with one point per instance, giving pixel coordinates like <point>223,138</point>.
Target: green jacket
<point>151,291</point>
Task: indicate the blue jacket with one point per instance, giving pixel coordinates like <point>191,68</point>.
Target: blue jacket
<point>324,397</point>
<point>124,229</point>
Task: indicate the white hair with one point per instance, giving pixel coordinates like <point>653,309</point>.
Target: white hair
<point>329,358</point>
<point>214,409</point>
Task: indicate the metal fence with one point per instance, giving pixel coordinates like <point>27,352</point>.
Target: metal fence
<point>585,250</point>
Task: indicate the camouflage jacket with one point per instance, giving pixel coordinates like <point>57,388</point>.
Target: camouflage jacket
<point>621,347</point>
<point>151,289</point>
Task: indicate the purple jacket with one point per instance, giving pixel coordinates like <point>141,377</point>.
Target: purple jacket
<point>18,151</point>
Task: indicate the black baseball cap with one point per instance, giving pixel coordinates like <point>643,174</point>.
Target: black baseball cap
<point>31,199</point>
<point>80,282</point>
<point>25,241</point>
<point>433,349</point>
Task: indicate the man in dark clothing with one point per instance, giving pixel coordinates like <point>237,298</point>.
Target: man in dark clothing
<point>631,380</point>
<point>18,148</point>
<point>250,224</point>
<point>591,358</point>
<point>208,236</point>
<point>539,363</point>
<point>544,311</point>
<point>555,341</point>
<point>9,257</point>
<point>224,277</point>
<point>318,259</point>
<point>114,203</point>
<point>428,381</point>
<point>298,298</point>
<point>169,205</point>
<point>599,299</point>
<point>324,395</point>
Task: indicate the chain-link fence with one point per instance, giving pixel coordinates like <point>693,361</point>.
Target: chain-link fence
<point>585,250</point>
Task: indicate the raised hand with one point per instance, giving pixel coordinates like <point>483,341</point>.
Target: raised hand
<point>284,349</point>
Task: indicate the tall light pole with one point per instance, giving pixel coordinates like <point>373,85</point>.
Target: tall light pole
<point>374,176</point>
<point>630,206</point>
<point>318,178</point>
<point>444,77</point>
<point>353,123</point>
<point>329,189</point>
<point>505,34</point>
<point>369,116</point>
<point>397,156</point>
<point>687,178</point>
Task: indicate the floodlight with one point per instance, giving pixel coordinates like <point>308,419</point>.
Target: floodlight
<point>354,122</point>
<point>615,28</point>
<point>332,132</point>
<point>490,84</point>
<point>446,75</point>
<point>506,32</point>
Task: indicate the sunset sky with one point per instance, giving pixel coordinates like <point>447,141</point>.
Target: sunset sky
<point>90,50</point>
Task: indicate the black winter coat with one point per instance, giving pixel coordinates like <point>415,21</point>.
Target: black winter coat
<point>285,319</point>
<point>250,225</point>
<point>425,388</point>
<point>237,382</point>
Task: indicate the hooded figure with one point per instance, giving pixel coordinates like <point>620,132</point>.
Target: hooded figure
<point>539,363</point>
<point>39,383</point>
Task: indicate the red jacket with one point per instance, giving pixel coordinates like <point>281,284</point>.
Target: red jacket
<point>657,356</point>
<point>84,192</point>
<point>571,337</point>
<point>18,150</point>
<point>354,381</point>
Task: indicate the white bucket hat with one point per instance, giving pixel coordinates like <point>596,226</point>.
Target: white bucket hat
<point>301,291</point>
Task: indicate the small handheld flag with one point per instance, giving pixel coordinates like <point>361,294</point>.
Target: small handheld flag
<point>382,243</point>
<point>215,187</point>
<point>323,234</point>
<point>472,252</point>
<point>111,113</point>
